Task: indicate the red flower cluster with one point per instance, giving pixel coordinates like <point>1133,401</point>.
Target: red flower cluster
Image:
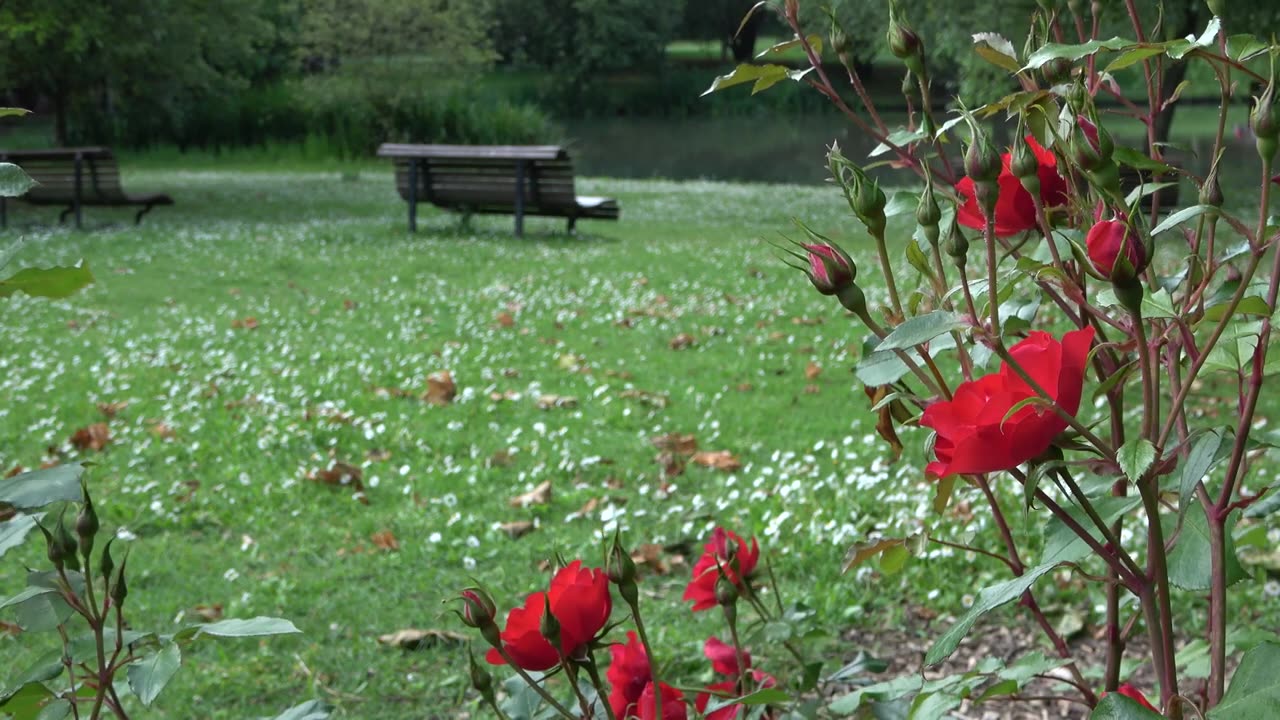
<point>580,602</point>
<point>1015,208</point>
<point>726,552</point>
<point>631,691</point>
<point>976,434</point>
<point>724,660</point>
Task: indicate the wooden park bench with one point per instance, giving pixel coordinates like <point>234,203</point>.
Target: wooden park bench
<point>504,179</point>
<point>76,177</point>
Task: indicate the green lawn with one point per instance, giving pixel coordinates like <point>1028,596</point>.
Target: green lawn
<point>225,419</point>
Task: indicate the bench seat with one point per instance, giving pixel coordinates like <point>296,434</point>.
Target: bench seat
<point>75,177</point>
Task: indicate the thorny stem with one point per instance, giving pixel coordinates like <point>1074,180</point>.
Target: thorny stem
<point>730,616</point>
<point>71,673</point>
<point>881,333</point>
<point>594,672</point>
<point>1092,513</point>
<point>993,294</point>
<point>571,673</point>
<point>1156,603</point>
<point>634,605</point>
<point>537,687</point>
<point>886,266</point>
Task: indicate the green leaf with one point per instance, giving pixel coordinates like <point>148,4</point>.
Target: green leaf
<point>1158,304</point>
<point>935,705</point>
<point>1255,688</point>
<point>880,368</point>
<point>767,696</point>
<point>1178,49</point>
<point>1204,453</point>
<point>254,627</point>
<point>1135,457</point>
<point>1133,56</point>
<point>1182,216</point>
<point>1264,507</point>
<point>57,710</point>
<point>12,112</point>
<point>996,50</point>
<point>42,611</point>
<point>25,701</point>
<point>901,202</point>
<point>54,282</point>
<point>1245,47</point>
<point>38,488</point>
<point>881,691</point>
<point>309,710</point>
<point>764,77</point>
<point>14,531</point>
<point>1061,544</point>
<point>920,329</point>
<point>1145,189</point>
<point>14,181</point>
<point>989,598</point>
<point>25,595</point>
<point>917,259</point>
<point>1190,560</point>
<point>861,664</point>
<point>148,676</point>
<point>894,559</point>
<point>899,138</point>
<point>1249,305</point>
<point>814,40</point>
<point>1114,379</point>
<point>1118,707</point>
<point>1139,161</point>
<point>1053,51</point>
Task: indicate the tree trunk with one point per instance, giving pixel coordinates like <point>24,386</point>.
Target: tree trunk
<point>743,44</point>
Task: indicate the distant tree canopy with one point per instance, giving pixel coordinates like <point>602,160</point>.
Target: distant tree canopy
<point>584,37</point>
<point>149,52</point>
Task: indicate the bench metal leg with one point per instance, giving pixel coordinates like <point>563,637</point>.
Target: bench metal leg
<point>137,219</point>
<point>520,182</point>
<point>75,199</point>
<point>573,220</point>
<point>62,216</point>
<point>413,195</point>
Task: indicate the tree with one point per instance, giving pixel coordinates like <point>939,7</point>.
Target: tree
<point>583,38</point>
<point>90,57</point>
<point>722,20</point>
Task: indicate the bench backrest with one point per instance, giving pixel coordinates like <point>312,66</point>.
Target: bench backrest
<point>485,176</point>
<point>54,171</point>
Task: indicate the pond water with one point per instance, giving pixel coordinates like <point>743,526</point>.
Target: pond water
<point>793,149</point>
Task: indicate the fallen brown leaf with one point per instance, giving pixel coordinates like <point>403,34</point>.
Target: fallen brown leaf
<point>504,395</point>
<point>349,304</point>
<point>812,389</point>
<point>377,455</point>
<point>718,460</point>
<point>655,558</point>
<point>191,487</point>
<point>342,474</point>
<point>440,388</point>
<point>162,431</point>
<point>415,639</point>
<point>386,540</point>
<point>812,371</point>
<point>682,341</point>
<point>658,400</point>
<point>501,458</point>
<point>10,628</point>
<point>684,444</point>
<point>249,323</point>
<point>505,319</point>
<point>111,409</point>
<point>7,512</point>
<point>15,470</point>
<point>540,495</point>
<point>94,437</point>
<point>806,321</point>
<point>208,613</point>
<point>547,402</point>
<point>885,417</point>
<point>588,507</point>
<point>518,528</point>
<point>746,387</point>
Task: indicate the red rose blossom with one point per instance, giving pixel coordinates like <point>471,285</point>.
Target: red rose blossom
<point>974,436</point>
<point>702,588</point>
<point>1108,238</point>
<point>628,675</point>
<point>723,657</point>
<point>1135,695</point>
<point>1015,208</point>
<point>730,688</point>
<point>579,600</point>
<point>673,707</point>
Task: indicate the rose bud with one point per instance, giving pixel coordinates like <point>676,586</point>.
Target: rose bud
<point>478,609</point>
<point>1110,240</point>
<point>830,268</point>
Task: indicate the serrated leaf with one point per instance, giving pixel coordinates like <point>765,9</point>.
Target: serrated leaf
<point>55,282</point>
<point>920,329</point>
<point>899,138</point>
<point>1250,305</point>
<point>767,696</point>
<point>14,181</point>
<point>996,50</point>
<point>38,488</point>
<point>1178,49</point>
<point>1264,507</point>
<point>1190,560</point>
<point>1135,457</point>
<point>1114,379</point>
<point>1139,161</point>
<point>901,202</point>
<point>989,598</point>
<point>1204,452</point>
<point>309,710</point>
<point>946,486</point>
<point>148,676</point>
<point>1062,544</point>
<point>1254,693</point>
<point>1145,189</point>
<point>14,531</point>
<point>1181,216</point>
<point>764,77</point>
<point>253,627</point>
<point>1118,707</point>
<point>1133,56</point>
<point>814,40</point>
<point>1054,51</point>
<point>880,368</point>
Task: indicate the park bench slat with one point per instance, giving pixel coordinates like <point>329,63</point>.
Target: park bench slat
<point>486,179</point>
<point>98,184</point>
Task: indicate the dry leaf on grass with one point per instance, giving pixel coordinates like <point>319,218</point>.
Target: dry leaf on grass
<point>745,387</point>
<point>504,395</point>
<point>249,323</point>
<point>163,431</point>
<point>15,470</point>
<point>207,613</point>
<point>587,508</point>
<point>806,321</point>
<point>812,389</point>
<point>682,443</point>
<point>655,558</point>
<point>441,389</point>
<point>415,639</point>
<point>342,474</point>
<point>111,409</point>
<point>718,459</point>
<point>10,628</point>
<point>377,455</point>
<point>540,495</point>
<point>385,540</point>
<point>94,437</point>
<point>658,400</point>
<point>501,458</point>
<point>505,319</point>
<point>812,371</point>
<point>518,528</point>
<point>683,341</point>
<point>7,512</point>
<point>547,402</point>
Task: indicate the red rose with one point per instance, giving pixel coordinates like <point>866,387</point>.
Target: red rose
<point>673,707</point>
<point>628,675</point>
<point>723,657</point>
<point>974,436</point>
<point>718,551</point>
<point>1107,239</point>
<point>729,688</point>
<point>1135,695</point>
<point>579,600</point>
<point>1015,208</point>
